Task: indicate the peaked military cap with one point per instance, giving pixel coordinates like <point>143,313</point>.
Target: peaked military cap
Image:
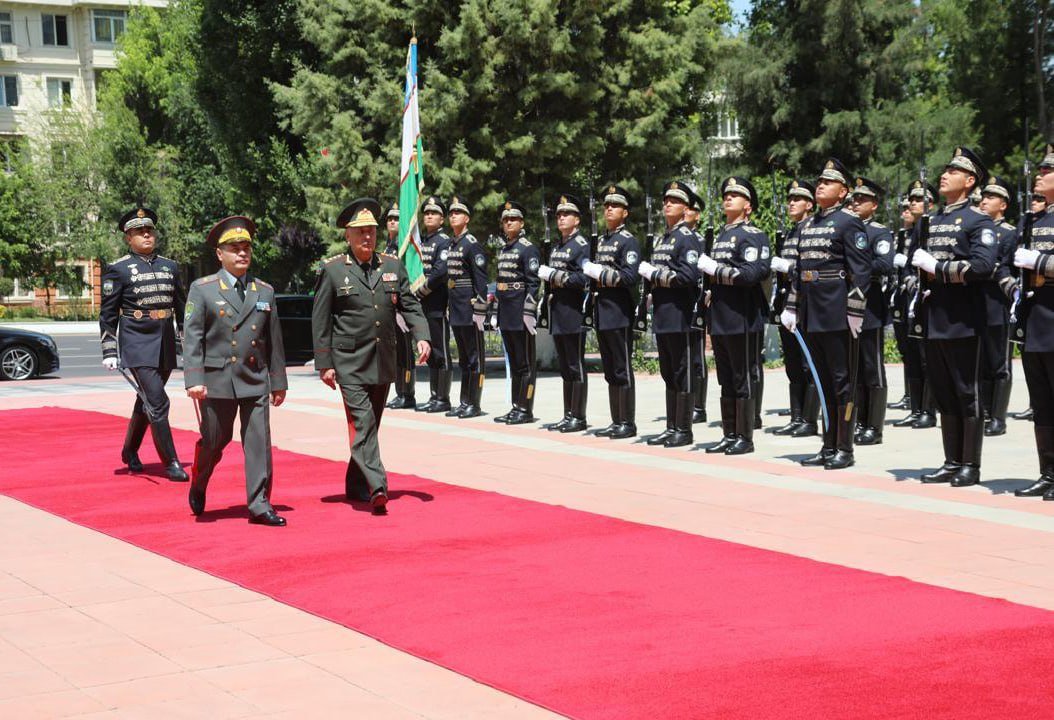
<point>362,212</point>
<point>865,186</point>
<point>802,189</point>
<point>137,218</point>
<point>511,209</point>
<point>835,170</point>
<point>997,186</point>
<point>458,203</point>
<point>678,190</point>
<point>919,191</point>
<point>392,212</point>
<point>1048,157</point>
<point>233,229</point>
<point>695,202</point>
<point>569,203</point>
<point>966,159</point>
<point>615,195</point>
<point>433,203</point>
<point>975,196</point>
<point>740,186</point>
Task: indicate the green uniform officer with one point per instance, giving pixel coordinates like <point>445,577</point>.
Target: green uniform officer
<point>354,331</point>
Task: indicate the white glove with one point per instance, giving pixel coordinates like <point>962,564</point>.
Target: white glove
<point>856,324</point>
<point>531,323</point>
<point>401,322</point>
<point>647,270</point>
<point>494,321</point>
<point>900,260</point>
<point>1025,258</point>
<point>789,319</point>
<point>478,321</point>
<point>780,265</point>
<point>706,297</point>
<point>545,272</point>
<point>707,264</point>
<point>592,269</point>
<point>109,363</point>
<point>924,261</point>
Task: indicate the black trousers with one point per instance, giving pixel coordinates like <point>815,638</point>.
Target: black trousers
<point>217,429</point>
<point>736,357</point>
<point>404,355</point>
<point>872,366</point>
<point>951,370</point>
<point>675,360</point>
<point>830,353</point>
<point>911,352</point>
<point>470,348</point>
<point>152,381</point>
<point>616,353</point>
<point>793,360</point>
<point>519,346</point>
<point>696,342</point>
<point>995,354</point>
<point>1039,376</point>
<point>439,336</point>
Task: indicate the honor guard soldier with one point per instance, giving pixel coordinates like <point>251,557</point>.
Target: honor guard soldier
<point>700,376</point>
<point>517,296</point>
<point>674,275</point>
<point>1036,261</point>
<point>234,364</point>
<point>1037,204</point>
<point>739,262</point>
<point>142,302</point>
<point>433,294</point>
<point>996,365</point>
<point>828,301</point>
<point>897,305</point>
<point>353,326</point>
<point>616,277</point>
<point>804,400</point>
<point>871,390</point>
<point>404,349</point>
<point>959,258</point>
<point>467,297</point>
<point>922,199</point>
<point>568,286</point>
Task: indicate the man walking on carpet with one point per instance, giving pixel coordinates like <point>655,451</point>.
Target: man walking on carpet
<point>353,327</point>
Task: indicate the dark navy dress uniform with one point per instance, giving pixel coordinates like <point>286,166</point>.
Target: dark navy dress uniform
<point>433,294</point>
<point>405,385</point>
<point>143,302</point>
<point>517,295</point>
<point>833,278</point>
<point>466,308</point>
<point>737,315</point>
<point>962,239</point>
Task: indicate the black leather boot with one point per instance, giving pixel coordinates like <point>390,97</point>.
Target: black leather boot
<point>728,426</point>
<point>627,414</point>
<point>516,381</point>
<point>827,451</point>
<point>166,448</point>
<point>871,432</point>
<point>972,439</point>
<point>613,406</point>
<point>744,442</point>
<point>927,415</point>
<point>1000,402</point>
<point>845,425</point>
<point>1045,449</point>
<point>797,398</point>
<point>562,422</point>
<point>699,396</point>
<point>671,419</point>
<point>1026,414</point>
<point>579,395</point>
<point>523,410</point>
<point>133,439</point>
<point>810,413</point>
<point>475,393</point>
<point>466,382</point>
<point>433,391</point>
<point>905,400</point>
<point>951,437</point>
<point>758,397</point>
<point>444,379</point>
<point>683,433</point>
<point>915,401</point>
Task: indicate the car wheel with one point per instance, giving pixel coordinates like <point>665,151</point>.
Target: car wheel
<point>17,363</point>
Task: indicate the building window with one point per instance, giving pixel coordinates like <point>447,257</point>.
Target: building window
<point>55,32</point>
<point>80,286</point>
<point>107,25</point>
<point>22,291</point>
<point>7,28</point>
<point>8,91</point>
<point>727,126</point>
<point>60,93</point>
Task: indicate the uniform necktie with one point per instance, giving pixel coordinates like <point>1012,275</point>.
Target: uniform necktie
<point>240,286</point>
<point>366,270</point>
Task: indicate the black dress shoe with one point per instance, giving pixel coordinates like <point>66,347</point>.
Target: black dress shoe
<point>470,411</point>
<point>519,417</point>
<point>819,459</point>
<point>995,426</point>
<point>723,444</point>
<point>679,438</point>
<point>574,425</point>
<point>197,501</point>
<point>1049,494</point>
<point>402,403</point>
<point>439,406</point>
<point>698,416</point>
<point>623,431</point>
<point>909,421</point>
<point>785,412</point>
<point>869,436</point>
<point>505,418</point>
<point>903,404</point>
<point>606,431</point>
<point>925,420</point>
<point>967,475</point>
<point>1036,489</point>
<point>426,407</point>
<point>131,459</point>
<point>741,446</point>
<point>379,502</point>
<point>1026,414</point>
<point>176,473</point>
<point>559,424</point>
<point>268,518</point>
<point>660,439</point>
<point>944,474</point>
<point>456,412</point>
<point>806,429</point>
<point>840,460</point>
<point>789,428</point>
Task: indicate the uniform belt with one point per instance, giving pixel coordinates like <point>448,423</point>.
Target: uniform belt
<point>467,282</point>
<point>816,275</point>
<point>152,314</point>
<point>511,286</point>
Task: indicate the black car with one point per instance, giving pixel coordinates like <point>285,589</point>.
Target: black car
<point>294,315</point>
<point>25,354</point>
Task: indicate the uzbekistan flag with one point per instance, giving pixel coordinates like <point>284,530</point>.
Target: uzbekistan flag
<point>411,179</point>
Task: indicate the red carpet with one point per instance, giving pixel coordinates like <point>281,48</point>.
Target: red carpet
<point>590,616</point>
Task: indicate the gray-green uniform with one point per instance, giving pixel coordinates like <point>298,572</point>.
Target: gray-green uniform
<point>354,332</point>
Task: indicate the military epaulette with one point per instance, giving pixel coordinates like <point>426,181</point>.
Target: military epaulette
<point>752,230</point>
<point>329,260</point>
<point>877,224</point>
<point>685,230</point>
<point>389,256</point>
<point>1006,226</point>
<point>978,210</point>
<point>265,284</point>
<point>625,233</point>
<point>206,279</point>
<point>121,259</point>
<point>526,242</point>
<point>471,239</point>
<point>582,241</point>
<point>162,257</point>
<point>849,212</point>
<point>444,236</point>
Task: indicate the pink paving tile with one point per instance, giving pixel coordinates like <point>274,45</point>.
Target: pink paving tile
<point>105,662</point>
<point>49,705</point>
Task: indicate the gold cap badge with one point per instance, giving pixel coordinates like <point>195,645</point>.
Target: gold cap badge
<point>141,213</point>
<point>829,165</point>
